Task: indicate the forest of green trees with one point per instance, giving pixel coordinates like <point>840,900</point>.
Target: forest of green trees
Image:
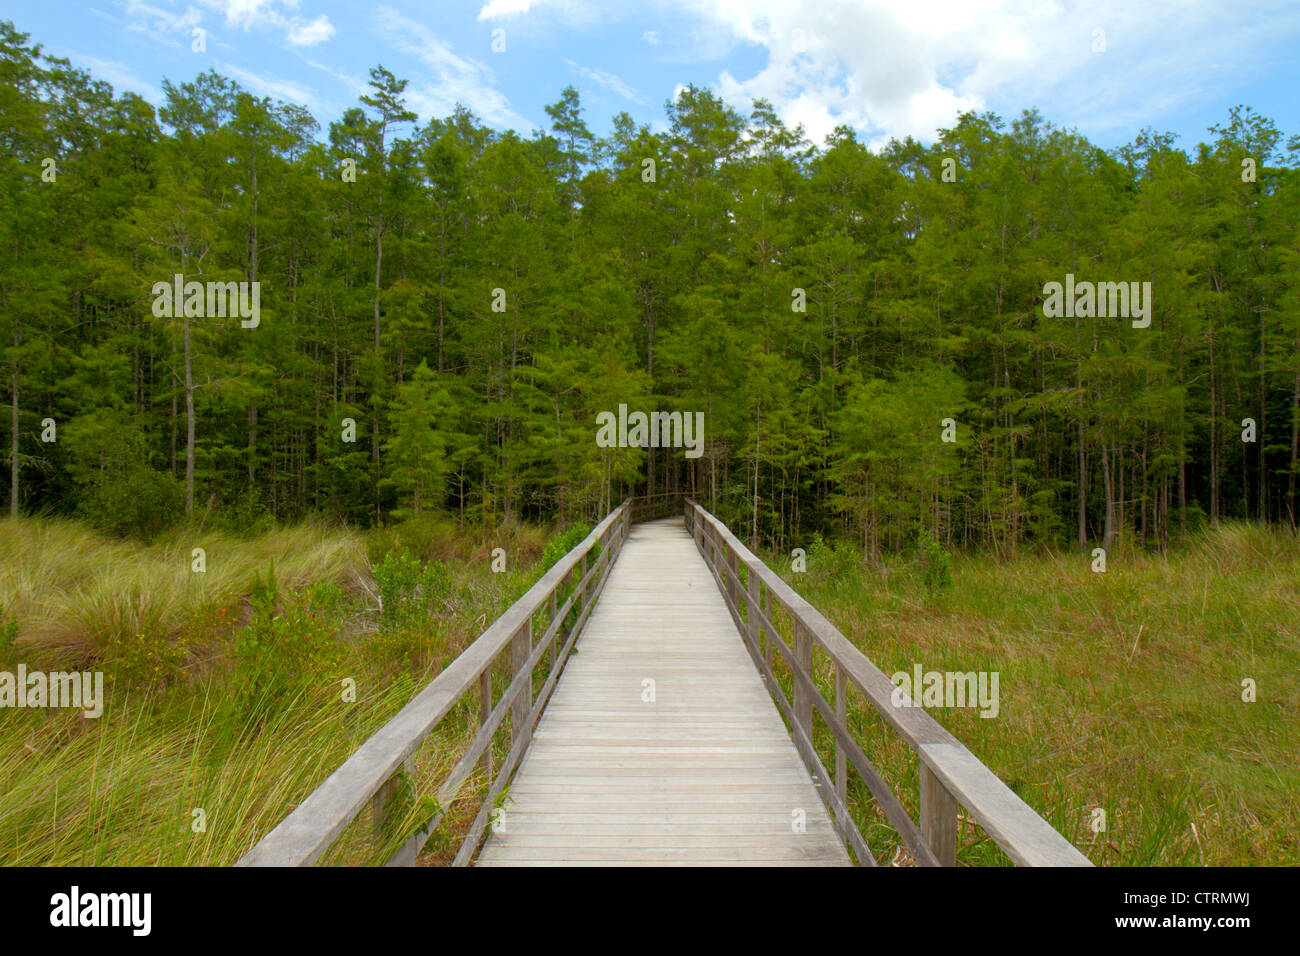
<point>462,303</point>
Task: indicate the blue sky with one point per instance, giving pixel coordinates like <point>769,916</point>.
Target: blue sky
<point>885,67</point>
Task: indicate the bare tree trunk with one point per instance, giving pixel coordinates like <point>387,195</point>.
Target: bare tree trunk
<point>374,425</point>
<point>189,423</point>
<point>1261,508</point>
<point>1295,448</point>
<point>1083,491</point>
<point>753,528</point>
<point>252,276</point>
<point>1108,533</point>
<point>252,444</point>
<point>13,441</point>
<point>1214,433</point>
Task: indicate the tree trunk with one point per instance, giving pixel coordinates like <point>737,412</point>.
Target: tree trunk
<point>189,423</point>
<point>1083,491</point>
<point>13,441</point>
<point>1108,533</point>
<point>1295,447</point>
<point>753,528</point>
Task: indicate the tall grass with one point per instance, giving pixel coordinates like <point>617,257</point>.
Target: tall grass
<point>225,702</point>
<point>1119,690</point>
<point>78,591</point>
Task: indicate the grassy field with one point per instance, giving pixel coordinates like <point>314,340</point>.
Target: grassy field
<point>1119,690</point>
<point>225,697</point>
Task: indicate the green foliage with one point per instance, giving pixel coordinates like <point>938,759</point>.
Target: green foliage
<point>1192,518</point>
<point>8,632</point>
<point>427,536</point>
<point>410,590</point>
<point>388,379</point>
<point>147,660</point>
<point>830,558</point>
<point>936,563</point>
<point>287,646</point>
<point>139,501</point>
<point>1134,674</point>
<point>416,452</point>
<point>565,541</point>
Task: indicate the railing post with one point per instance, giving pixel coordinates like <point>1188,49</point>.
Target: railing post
<point>520,647</point>
<point>555,639</point>
<point>484,712</point>
<point>752,612</point>
<point>381,802</point>
<point>733,582</point>
<point>803,706</point>
<point>772,618</point>
<point>841,716</point>
<point>938,818</point>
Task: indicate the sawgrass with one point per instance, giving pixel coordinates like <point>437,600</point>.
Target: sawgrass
<point>223,713</point>
<point>1119,691</point>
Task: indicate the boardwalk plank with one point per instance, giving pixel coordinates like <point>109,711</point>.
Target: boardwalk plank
<point>706,774</point>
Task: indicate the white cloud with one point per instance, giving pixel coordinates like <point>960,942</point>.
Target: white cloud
<point>310,34</point>
<point>571,11</point>
<point>651,37</point>
<point>265,14</point>
<point>272,86</point>
<point>118,74</point>
<point>897,69</point>
<point>455,78</point>
<point>496,9</point>
<point>355,84</point>
<point>157,23</point>
<point>607,81</point>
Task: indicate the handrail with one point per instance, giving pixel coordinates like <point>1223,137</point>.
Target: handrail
<point>950,773</point>
<point>662,504</point>
<point>376,768</point>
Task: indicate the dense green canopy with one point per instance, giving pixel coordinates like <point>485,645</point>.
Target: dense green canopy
<point>463,303</point>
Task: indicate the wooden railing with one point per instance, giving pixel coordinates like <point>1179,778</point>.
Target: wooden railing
<point>950,775</point>
<point>374,773</point>
<point>663,505</point>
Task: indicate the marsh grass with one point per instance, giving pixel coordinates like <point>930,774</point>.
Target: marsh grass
<point>224,691</point>
<point>1120,691</point>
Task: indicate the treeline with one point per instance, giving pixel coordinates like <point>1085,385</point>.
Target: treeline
<point>445,309</point>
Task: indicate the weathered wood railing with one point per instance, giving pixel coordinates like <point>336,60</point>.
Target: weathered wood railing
<point>374,772</point>
<point>662,505</point>
<point>950,775</point>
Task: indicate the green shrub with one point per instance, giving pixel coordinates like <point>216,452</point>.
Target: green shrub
<point>831,558</point>
<point>138,501</point>
<point>429,536</point>
<point>288,642</point>
<point>246,513</point>
<point>145,661</point>
<point>936,563</point>
<point>8,632</point>
<point>564,542</point>
<point>1193,516</point>
<point>410,590</point>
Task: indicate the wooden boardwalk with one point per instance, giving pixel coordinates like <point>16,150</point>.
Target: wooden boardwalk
<point>657,742</point>
<point>703,774</point>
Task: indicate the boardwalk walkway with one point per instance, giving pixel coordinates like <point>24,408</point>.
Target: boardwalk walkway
<point>705,774</point>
